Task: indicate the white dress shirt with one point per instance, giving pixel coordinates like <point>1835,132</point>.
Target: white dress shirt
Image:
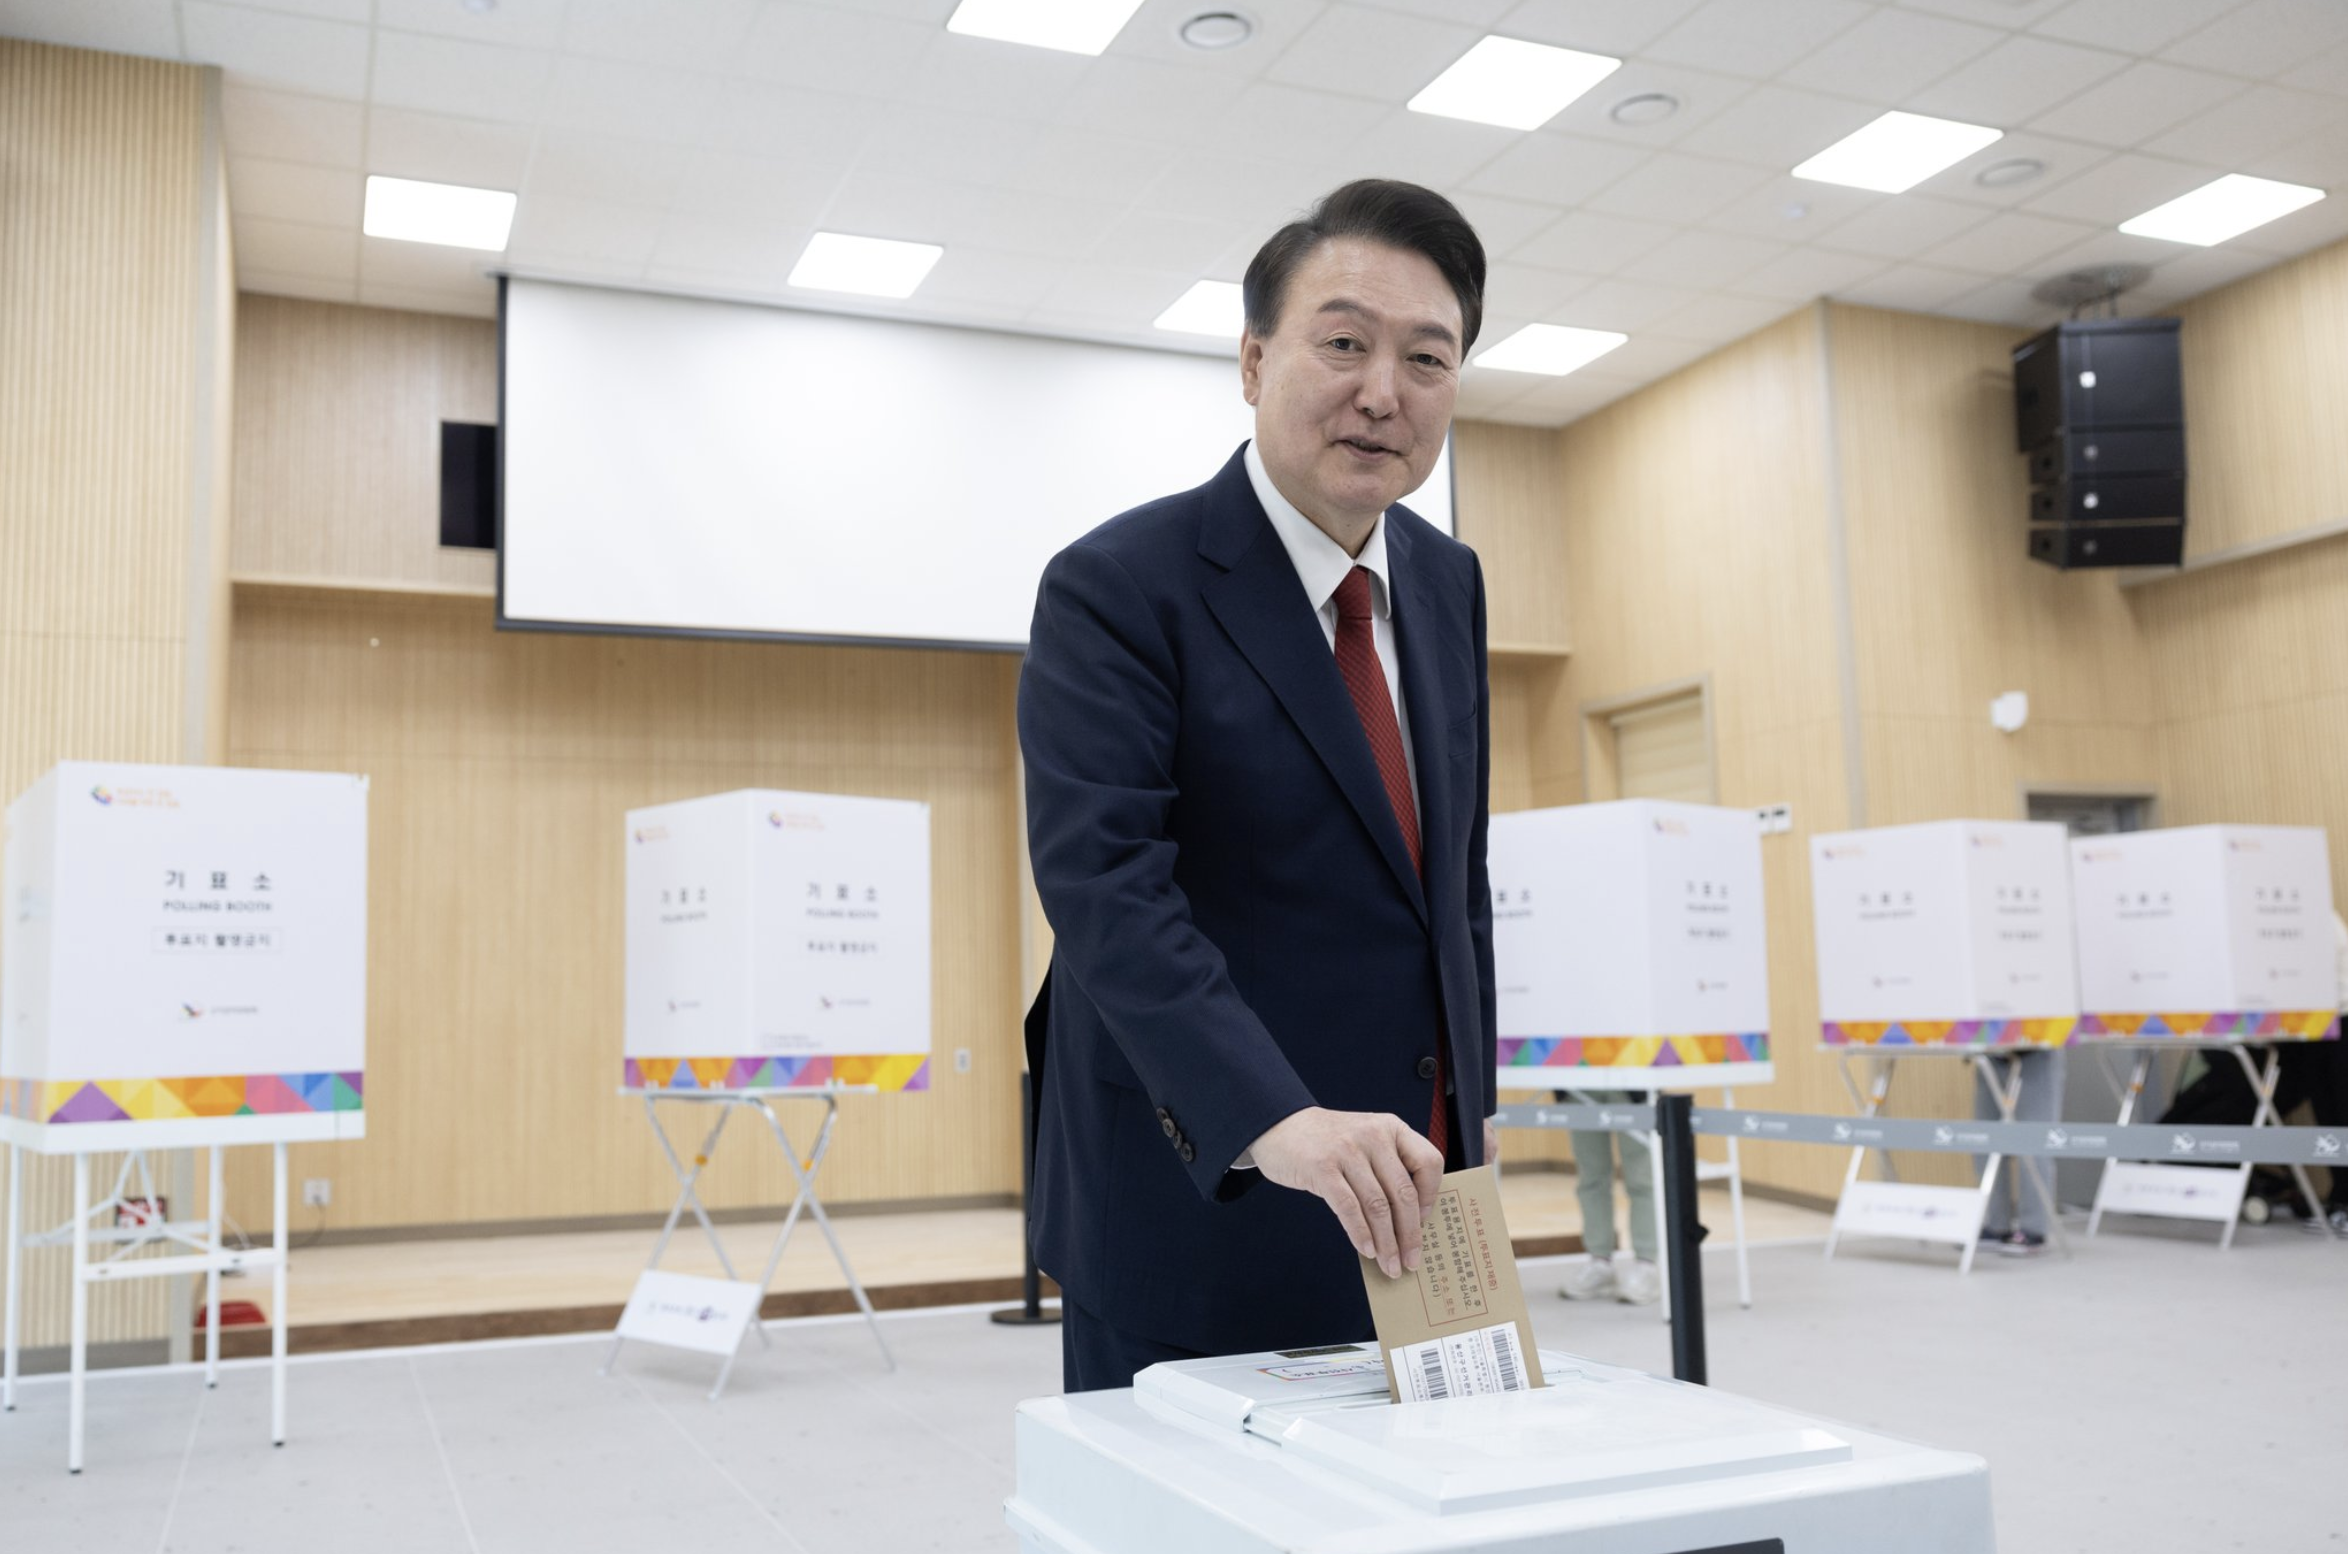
<point>1321,564</point>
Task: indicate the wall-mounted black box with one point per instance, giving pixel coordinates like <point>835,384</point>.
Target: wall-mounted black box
<point>2095,375</point>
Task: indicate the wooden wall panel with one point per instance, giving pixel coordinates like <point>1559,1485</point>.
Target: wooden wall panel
<point>1506,491</point>
<point>501,767</point>
<point>106,325</point>
<point>338,441</point>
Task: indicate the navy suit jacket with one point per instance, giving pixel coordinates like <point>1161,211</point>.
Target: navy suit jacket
<point>1239,931</point>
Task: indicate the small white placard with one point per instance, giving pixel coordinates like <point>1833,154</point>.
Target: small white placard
<point>1910,1211</point>
<point>2172,1191</point>
<point>684,1311</point>
<point>1462,1365</point>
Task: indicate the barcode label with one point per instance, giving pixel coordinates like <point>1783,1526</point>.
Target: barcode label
<point>1464,1365</point>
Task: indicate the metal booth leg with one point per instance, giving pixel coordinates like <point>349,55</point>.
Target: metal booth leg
<point>2138,1073</point>
<point>1868,1105</point>
<point>279,1243</point>
<point>8,1329</point>
<point>1736,1209</point>
<point>212,1217</point>
<point>2267,1115</point>
<point>77,1397</point>
<point>806,1173</point>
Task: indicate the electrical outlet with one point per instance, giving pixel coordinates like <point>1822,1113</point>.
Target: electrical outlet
<point>961,1060</point>
<point>1775,818</point>
<point>317,1192</point>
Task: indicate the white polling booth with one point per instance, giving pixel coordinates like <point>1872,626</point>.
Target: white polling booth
<point>1630,953</point>
<point>1301,1451</point>
<point>183,964</point>
<point>778,948</point>
<point>2212,937</point>
<point>1950,939</point>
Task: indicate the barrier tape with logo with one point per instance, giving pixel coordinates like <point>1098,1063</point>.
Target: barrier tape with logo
<point>2057,1140</point>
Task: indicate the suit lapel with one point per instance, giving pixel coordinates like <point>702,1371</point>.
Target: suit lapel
<point>1263,607</point>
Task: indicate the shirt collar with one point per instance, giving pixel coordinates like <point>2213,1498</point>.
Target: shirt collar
<point>1321,563</point>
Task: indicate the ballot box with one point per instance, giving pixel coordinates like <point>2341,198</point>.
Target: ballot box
<point>1629,947</point>
<point>778,941</point>
<point>1955,933</point>
<point>1301,1450</point>
<point>2206,932</point>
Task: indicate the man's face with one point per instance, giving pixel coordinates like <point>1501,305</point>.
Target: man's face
<point>1353,389</point>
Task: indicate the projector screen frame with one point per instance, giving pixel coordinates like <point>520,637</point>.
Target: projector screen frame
<point>504,622</point>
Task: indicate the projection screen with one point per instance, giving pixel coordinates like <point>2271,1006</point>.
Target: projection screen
<point>678,465</point>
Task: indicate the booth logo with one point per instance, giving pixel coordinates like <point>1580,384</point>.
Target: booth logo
<point>2243,844</point>
<point>102,794</point>
<point>1845,851</point>
<point>783,820</point>
<point>2099,854</point>
<point>1668,827</point>
<point>651,834</point>
<point>1987,839</point>
<point>191,1012</point>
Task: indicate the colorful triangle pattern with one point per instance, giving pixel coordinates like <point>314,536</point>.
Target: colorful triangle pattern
<point>169,1100</point>
<point>2261,1024</point>
<point>885,1071</point>
<point>1554,1052</point>
<point>2055,1031</point>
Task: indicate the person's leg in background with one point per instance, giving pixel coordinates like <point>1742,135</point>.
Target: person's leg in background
<point>1593,1163</point>
<point>1997,1224</point>
<point>2041,1100</point>
<point>1641,1283</point>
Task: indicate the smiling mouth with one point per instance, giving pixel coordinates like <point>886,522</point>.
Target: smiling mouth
<point>1363,447</point>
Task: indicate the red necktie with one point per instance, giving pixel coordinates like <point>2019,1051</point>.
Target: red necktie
<point>1365,679</point>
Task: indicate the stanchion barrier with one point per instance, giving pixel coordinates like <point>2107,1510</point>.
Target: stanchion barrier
<point>1686,1235</point>
<point>1030,1311</point>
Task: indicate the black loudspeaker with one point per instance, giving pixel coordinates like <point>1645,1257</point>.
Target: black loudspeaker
<point>2099,409</point>
<point>468,485</point>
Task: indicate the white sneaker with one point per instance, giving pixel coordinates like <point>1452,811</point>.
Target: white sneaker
<point>1594,1280</point>
<point>1640,1284</point>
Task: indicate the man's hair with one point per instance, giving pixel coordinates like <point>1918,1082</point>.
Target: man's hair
<point>1379,210</point>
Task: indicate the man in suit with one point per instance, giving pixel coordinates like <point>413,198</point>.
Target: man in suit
<point>1255,723</point>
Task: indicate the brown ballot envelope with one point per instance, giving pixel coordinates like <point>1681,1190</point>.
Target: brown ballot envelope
<point>1458,1326</point>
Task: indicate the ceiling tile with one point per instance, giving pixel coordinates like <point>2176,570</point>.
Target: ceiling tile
<point>2107,248</point>
<point>2261,120</point>
<point>1122,295</point>
<point>2131,26</point>
<point>1047,224</point>
<point>914,210</point>
<point>440,149</point>
<point>294,191</point>
<point>1557,170</point>
<point>2326,221</point>
<point>1377,54</point>
<point>1755,38</point>
<point>1145,100</point>
<point>2126,186</point>
<point>759,118</point>
<point>1212,186</point>
<point>466,80</point>
<point>833,50</point>
<point>1154,34</point>
<point>1991,13</point>
<point>582,165</point>
<point>523,24</point>
<point>1720,318</point>
<point>641,102</point>
<point>792,190</point>
<point>389,262</point>
<point>981,75</point>
<point>2141,101</point>
<point>477,300</point>
<point>551,227</point>
<point>256,122</point>
<point>1623,303</point>
<point>2016,81</point>
<point>1012,283</point>
<point>1440,153</point>
<point>1556,401</point>
<point>271,284</point>
<point>1913,288</point>
<point>1702,96</point>
<point>2003,302</point>
<point>1599,245</point>
<point>1474,13</point>
<point>144,27</point>
<point>760,251</point>
<point>1617,27</point>
<point>2064,160</point>
<point>964,148</point>
<point>1808,272</point>
<point>2324,73</point>
<point>1902,227</point>
<point>2009,243</point>
<point>2264,38</point>
<point>1672,186</point>
<point>1145,239</point>
<point>1890,55</point>
<point>1524,291</point>
<point>1087,162</point>
<point>1290,121</point>
<point>1787,209</point>
<point>2321,161</point>
<point>1502,225</point>
<point>680,34</point>
<point>1705,260</point>
<point>291,53</point>
<point>1780,127</point>
<point>1651,356</point>
<point>298,248</point>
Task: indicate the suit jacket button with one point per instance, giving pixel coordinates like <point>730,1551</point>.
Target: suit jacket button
<point>1189,1153</point>
<point>1426,1068</point>
<point>1166,1124</point>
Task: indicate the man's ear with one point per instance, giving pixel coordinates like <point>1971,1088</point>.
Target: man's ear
<point>1251,365</point>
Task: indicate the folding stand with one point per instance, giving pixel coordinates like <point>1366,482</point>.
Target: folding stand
<point>1899,1210</point>
<point>728,1102</point>
<point>207,1256</point>
<point>2179,1192</point>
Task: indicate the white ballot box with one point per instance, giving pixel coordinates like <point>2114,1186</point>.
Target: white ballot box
<point>2206,932</point>
<point>1952,934</point>
<point>1629,947</point>
<point>183,958</point>
<point>1302,1451</point>
<point>778,941</point>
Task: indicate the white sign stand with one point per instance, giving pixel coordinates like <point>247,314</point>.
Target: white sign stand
<point>1913,1211</point>
<point>728,1102</point>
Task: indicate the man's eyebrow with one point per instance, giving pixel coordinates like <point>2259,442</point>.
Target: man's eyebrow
<point>1423,331</point>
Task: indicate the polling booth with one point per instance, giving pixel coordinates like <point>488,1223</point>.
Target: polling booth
<point>778,949</point>
<point>1630,954</point>
<point>1947,941</point>
<point>183,965</point>
<point>2211,939</point>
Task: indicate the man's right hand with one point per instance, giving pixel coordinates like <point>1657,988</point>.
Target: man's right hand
<point>1376,1175</point>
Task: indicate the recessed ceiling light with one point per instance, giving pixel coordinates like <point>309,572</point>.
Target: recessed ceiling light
<point>2012,171</point>
<point>1793,210</point>
<point>1896,152</point>
<point>867,266</point>
<point>2226,208</point>
<point>1072,26</point>
<point>1208,308</point>
<point>1513,84</point>
<point>1552,350</point>
<point>480,7</point>
<point>1644,108</point>
<point>1216,30</point>
<point>444,213</point>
